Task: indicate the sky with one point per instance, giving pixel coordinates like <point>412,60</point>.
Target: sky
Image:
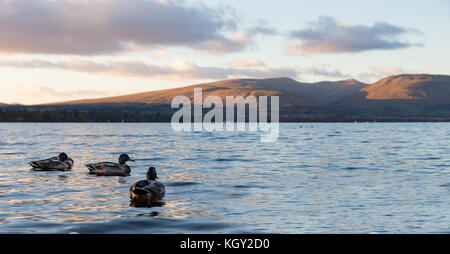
<point>59,50</point>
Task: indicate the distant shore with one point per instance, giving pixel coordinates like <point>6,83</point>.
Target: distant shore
<point>26,115</point>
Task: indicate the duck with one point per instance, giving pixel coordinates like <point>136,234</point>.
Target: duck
<point>147,191</point>
<point>111,168</point>
<point>60,163</point>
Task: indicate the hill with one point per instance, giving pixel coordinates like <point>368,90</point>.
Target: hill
<point>291,92</point>
<point>286,88</point>
<point>407,97</point>
<point>403,95</point>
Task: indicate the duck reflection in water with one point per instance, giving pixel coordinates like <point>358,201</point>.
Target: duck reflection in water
<point>152,214</point>
<point>135,203</point>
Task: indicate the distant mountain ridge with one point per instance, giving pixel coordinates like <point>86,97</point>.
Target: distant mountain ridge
<point>245,87</point>
<point>401,97</point>
<point>290,91</point>
<point>431,88</point>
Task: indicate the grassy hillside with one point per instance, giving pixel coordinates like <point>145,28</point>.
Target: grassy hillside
<point>418,97</point>
<point>288,90</point>
<point>402,95</point>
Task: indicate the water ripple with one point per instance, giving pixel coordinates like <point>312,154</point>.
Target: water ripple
<point>317,178</point>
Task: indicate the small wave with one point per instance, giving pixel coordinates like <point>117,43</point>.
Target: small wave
<point>150,159</point>
<point>224,159</point>
<point>234,159</point>
<point>175,184</point>
<point>236,195</point>
<point>45,134</point>
<point>430,158</point>
<point>238,186</point>
<point>12,153</point>
<point>147,225</point>
<point>442,166</point>
<point>20,144</point>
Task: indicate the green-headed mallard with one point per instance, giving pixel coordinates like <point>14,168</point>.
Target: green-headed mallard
<point>111,168</point>
<point>147,191</point>
<point>60,163</point>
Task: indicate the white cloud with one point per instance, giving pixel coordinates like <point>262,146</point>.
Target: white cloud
<point>387,70</point>
<point>182,65</point>
<point>252,62</point>
<point>377,73</point>
<point>324,72</point>
<point>50,93</point>
<point>180,69</point>
<point>326,35</point>
<point>160,53</point>
<point>106,26</point>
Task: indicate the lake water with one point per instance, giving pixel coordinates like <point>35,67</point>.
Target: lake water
<point>317,178</point>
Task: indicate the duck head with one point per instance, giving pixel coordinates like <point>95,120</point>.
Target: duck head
<point>63,157</point>
<point>151,174</point>
<point>124,158</point>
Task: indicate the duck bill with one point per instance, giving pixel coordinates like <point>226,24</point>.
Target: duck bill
<point>131,160</point>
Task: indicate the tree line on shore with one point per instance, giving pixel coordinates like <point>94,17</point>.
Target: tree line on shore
<point>55,115</point>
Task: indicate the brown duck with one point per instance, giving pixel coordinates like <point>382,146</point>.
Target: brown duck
<point>60,163</point>
<point>111,168</point>
<point>149,190</point>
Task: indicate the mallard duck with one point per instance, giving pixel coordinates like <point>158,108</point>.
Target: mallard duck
<point>60,163</point>
<point>111,168</point>
<point>149,190</point>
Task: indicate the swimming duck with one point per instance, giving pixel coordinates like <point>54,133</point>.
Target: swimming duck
<point>111,168</point>
<point>60,163</point>
<point>149,190</point>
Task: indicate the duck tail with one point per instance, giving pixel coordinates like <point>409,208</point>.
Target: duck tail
<point>33,164</point>
<point>91,168</point>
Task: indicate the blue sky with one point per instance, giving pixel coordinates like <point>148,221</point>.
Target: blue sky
<point>65,50</point>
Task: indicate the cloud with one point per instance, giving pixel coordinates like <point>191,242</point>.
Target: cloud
<point>262,27</point>
<point>262,30</point>
<point>377,73</point>
<point>326,35</point>
<point>160,53</point>
<point>113,26</point>
<point>252,62</point>
<point>324,72</point>
<point>238,42</point>
<point>387,70</point>
<point>49,92</point>
<point>179,70</point>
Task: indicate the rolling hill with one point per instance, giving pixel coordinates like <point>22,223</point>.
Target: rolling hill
<point>426,88</point>
<point>403,95</point>
<point>291,92</point>
<point>400,97</point>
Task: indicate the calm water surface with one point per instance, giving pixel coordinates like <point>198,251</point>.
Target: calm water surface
<point>317,178</point>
